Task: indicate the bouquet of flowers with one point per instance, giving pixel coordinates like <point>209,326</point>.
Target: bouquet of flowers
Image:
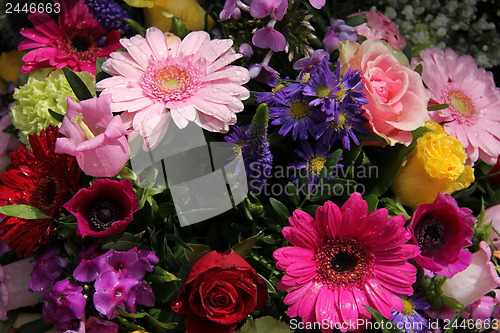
<point>248,166</point>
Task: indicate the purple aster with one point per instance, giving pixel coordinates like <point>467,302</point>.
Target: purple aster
<point>47,268</point>
<point>112,291</point>
<point>64,305</point>
<point>329,89</point>
<point>237,136</point>
<point>293,112</point>
<point>108,13</point>
<point>342,125</point>
<point>269,97</point>
<point>337,32</point>
<point>314,161</point>
<point>409,320</point>
<point>256,153</point>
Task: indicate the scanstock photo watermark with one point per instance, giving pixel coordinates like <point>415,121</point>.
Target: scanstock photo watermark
<point>324,188</point>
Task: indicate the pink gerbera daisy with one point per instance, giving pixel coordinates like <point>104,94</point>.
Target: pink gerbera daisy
<point>76,43</point>
<point>473,115</point>
<point>343,260</point>
<point>162,77</point>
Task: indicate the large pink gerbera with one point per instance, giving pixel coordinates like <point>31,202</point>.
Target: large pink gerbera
<point>343,260</point>
<point>473,115</point>
<point>76,43</point>
<point>186,80</point>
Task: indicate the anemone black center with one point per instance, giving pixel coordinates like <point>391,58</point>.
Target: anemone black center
<point>80,44</point>
<point>51,192</point>
<point>430,234</point>
<point>102,215</point>
<point>344,262</point>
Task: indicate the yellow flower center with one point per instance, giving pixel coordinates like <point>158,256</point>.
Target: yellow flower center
<point>171,82</point>
<point>238,146</point>
<point>342,120</point>
<point>323,91</point>
<point>78,119</point>
<point>408,308</point>
<point>315,165</point>
<point>461,103</point>
<point>278,88</point>
<point>305,78</point>
<point>299,109</point>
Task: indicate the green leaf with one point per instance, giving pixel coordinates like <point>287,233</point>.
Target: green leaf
<point>452,324</point>
<point>437,107</point>
<point>6,325</point>
<point>178,241</point>
<point>198,251</point>
<point>36,326</point>
<point>129,325</point>
<point>178,28</point>
<point>372,201</point>
<point>130,315</point>
<point>280,208</point>
<point>419,69</point>
<point>408,51</point>
<point>270,287</point>
<point>293,193</point>
<point>355,20</point>
<point>159,275</point>
<point>100,74</point>
<point>332,162</point>
<point>137,27</point>
<point>243,248</point>
<point>156,322</point>
<point>23,212</point>
<point>56,115</point>
<point>394,207</point>
<point>386,325</point>
<point>121,242</point>
<point>127,173</point>
<point>79,88</point>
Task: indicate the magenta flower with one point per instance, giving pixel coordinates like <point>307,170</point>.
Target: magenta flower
<point>187,80</point>
<point>14,287</point>
<point>94,137</point>
<point>274,8</point>
<point>76,43</point>
<point>98,325</point>
<point>473,99</point>
<point>87,270</point>
<point>104,209</point>
<point>442,229</point>
<point>63,305</point>
<point>268,38</point>
<point>479,278</point>
<point>123,264</point>
<point>47,268</point>
<point>113,291</point>
<point>345,259</point>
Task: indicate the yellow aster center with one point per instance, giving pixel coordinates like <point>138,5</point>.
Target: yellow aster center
<point>342,120</point>
<point>238,146</point>
<point>408,307</point>
<point>305,78</point>
<point>278,88</point>
<point>323,91</point>
<point>299,109</point>
<point>340,95</point>
<point>78,119</point>
<point>461,103</point>
<point>315,165</point>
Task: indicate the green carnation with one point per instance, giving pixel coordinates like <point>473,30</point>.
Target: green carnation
<point>30,114</point>
<point>265,324</point>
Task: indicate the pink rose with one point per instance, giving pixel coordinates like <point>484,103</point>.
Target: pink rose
<point>379,26</point>
<point>397,100</point>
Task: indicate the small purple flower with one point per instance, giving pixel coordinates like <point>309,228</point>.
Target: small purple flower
<point>318,4</point>
<point>263,73</point>
<point>268,38</point>
<point>87,269</point>
<point>64,305</point>
<point>98,325</point>
<point>337,32</point>
<point>246,50</point>
<point>410,320</point>
<point>47,268</point>
<point>230,10</point>
<point>113,291</point>
<point>122,263</point>
<point>274,8</point>
<point>307,63</point>
<point>144,294</point>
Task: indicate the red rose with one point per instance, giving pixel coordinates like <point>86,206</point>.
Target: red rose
<point>220,291</point>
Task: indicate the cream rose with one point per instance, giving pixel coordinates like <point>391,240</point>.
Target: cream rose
<point>397,100</point>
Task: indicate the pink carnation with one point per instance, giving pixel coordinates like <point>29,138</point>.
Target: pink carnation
<point>344,259</point>
<point>188,80</point>
<point>473,115</point>
<point>380,26</point>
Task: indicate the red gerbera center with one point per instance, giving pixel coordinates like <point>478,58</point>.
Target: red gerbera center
<point>344,262</point>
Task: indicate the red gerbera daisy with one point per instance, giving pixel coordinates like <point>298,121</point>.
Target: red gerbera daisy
<point>39,178</point>
<point>76,43</point>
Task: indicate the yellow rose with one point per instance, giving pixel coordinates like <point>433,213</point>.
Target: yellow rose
<point>436,165</point>
<point>156,13</point>
<point>10,65</point>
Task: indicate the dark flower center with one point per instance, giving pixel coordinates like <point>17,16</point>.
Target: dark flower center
<point>48,191</point>
<point>80,44</point>
<point>344,262</point>
<point>102,215</point>
<point>430,234</point>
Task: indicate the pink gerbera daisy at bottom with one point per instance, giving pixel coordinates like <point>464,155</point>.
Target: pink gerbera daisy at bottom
<point>342,260</point>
